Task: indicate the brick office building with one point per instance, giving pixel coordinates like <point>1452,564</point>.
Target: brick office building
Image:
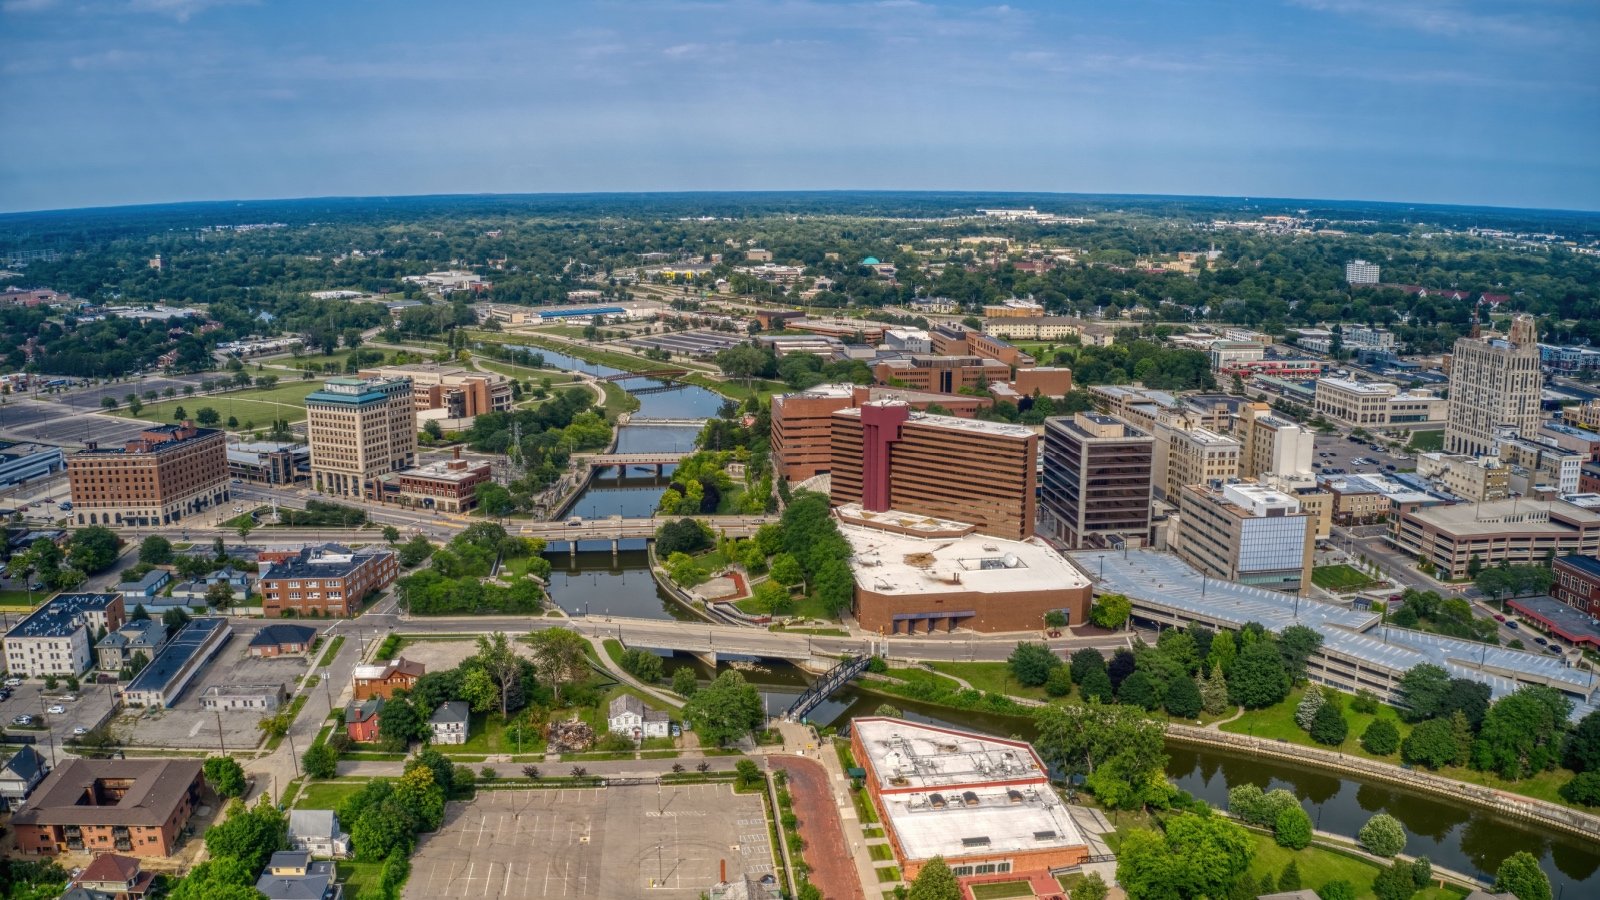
<point>802,423</point>
<point>448,485</point>
<point>887,456</point>
<point>323,581</point>
<point>1577,583</point>
<point>137,807</point>
<point>166,473</point>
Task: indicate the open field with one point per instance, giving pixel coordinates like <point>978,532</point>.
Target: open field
<point>286,400</point>
<point>621,841</point>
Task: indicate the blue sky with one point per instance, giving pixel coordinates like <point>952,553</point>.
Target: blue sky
<point>1454,101</point>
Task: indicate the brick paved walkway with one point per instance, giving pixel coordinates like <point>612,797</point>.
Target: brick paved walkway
<point>833,869</point>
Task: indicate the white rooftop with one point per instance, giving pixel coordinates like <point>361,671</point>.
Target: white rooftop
<point>953,793</point>
<point>890,563</point>
<point>1360,387</point>
<point>1004,429</point>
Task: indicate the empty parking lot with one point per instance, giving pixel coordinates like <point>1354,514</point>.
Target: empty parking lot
<point>623,841</point>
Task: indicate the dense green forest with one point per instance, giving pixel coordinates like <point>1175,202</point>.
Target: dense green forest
<point>534,250</point>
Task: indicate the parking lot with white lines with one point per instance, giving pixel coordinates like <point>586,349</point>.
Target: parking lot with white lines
<point>626,841</point>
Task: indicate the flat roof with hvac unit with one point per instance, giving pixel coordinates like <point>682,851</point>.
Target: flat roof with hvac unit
<point>984,804</point>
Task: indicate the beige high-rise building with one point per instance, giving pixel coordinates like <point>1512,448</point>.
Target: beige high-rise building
<point>1494,385</point>
<point>1185,456</point>
<point>360,429</point>
<point>1273,445</point>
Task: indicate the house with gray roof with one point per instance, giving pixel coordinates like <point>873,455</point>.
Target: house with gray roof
<point>19,776</point>
<point>118,648</point>
<point>316,831</point>
<point>450,722</point>
<point>292,875</point>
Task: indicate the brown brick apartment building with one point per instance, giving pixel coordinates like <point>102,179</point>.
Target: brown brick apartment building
<point>166,473</point>
<point>323,581</point>
<point>887,456</point>
<point>449,485</point>
<point>802,423</point>
<point>136,807</point>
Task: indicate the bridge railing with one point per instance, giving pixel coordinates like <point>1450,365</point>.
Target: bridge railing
<point>824,687</point>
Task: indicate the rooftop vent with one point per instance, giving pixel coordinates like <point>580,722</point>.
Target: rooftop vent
<point>975,842</point>
<point>1044,835</point>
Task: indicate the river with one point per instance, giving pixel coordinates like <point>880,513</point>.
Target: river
<point>1465,839</point>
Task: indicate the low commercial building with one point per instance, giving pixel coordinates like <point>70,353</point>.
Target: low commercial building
<point>1577,583</point>
<point>454,391</point>
<point>1475,478</point>
<point>1366,499</point>
<point>138,807</point>
<point>1230,353</point>
<point>259,697</point>
<point>983,804</point>
<point>1514,532</point>
<point>383,679</point>
<point>448,485</point>
<point>941,374</point>
<point>329,580</point>
<point>279,640</point>
<point>21,463</point>
<point>1561,620</point>
<point>56,638</point>
<point>1378,404</point>
<point>887,456</point>
<point>167,473</point>
<point>918,574</point>
<point>163,681</point>
<point>1581,441</point>
<point>1246,532</point>
<point>269,462</point>
<point>1096,487</point>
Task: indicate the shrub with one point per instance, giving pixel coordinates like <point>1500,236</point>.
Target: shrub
<point>1329,726</point>
<point>1059,683</point>
<point>1583,789</point>
<point>1381,738</point>
<point>1292,829</point>
<point>1382,835</point>
<point>1337,890</point>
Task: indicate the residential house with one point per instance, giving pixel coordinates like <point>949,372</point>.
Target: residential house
<point>19,776</point>
<point>450,723</point>
<point>277,640</point>
<point>195,592</point>
<point>293,875</point>
<point>383,679</point>
<point>316,831</point>
<point>361,719</point>
<point>119,648</point>
<point>111,877</point>
<point>629,716</point>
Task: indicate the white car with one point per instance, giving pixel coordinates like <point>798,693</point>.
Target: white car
<point>57,710</point>
<point>80,731</point>
<point>13,681</point>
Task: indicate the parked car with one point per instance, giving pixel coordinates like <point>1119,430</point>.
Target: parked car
<point>56,709</point>
<point>1499,618</point>
<point>13,681</point>
<point>1512,623</point>
<point>80,731</point>
<point>1540,641</point>
<point>69,698</point>
<point>22,720</point>
<point>1390,467</point>
<point>1553,650</point>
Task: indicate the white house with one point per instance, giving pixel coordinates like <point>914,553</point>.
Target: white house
<point>449,723</point>
<point>316,831</point>
<point>631,717</point>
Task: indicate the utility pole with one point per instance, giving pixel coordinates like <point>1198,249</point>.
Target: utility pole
<point>221,735</point>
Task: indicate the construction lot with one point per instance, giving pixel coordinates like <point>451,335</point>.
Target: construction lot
<point>622,841</point>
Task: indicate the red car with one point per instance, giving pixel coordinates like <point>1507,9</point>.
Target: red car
<point>1499,618</point>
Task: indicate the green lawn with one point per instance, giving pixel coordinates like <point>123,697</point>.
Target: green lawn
<point>880,852</point>
<point>331,651</point>
<point>1277,723</point>
<point>20,599</point>
<point>1340,578</point>
<point>994,677</point>
<point>1317,866</point>
<point>487,734</point>
<point>328,794</point>
<point>1426,441</point>
<point>618,400</point>
<point>358,875</point>
<point>286,400</point>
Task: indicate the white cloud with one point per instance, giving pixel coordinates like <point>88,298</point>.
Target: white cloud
<point>27,6</point>
<point>1445,18</point>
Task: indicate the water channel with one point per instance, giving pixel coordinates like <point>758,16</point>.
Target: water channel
<point>1461,838</point>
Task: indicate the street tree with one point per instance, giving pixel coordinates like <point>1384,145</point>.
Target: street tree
<point>725,710</point>
<point>560,658</point>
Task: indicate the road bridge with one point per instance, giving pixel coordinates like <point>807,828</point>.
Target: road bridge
<point>616,528</point>
<point>652,422</point>
<point>660,459</point>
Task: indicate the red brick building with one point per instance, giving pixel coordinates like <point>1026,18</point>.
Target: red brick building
<point>383,679</point>
<point>137,807</point>
<point>447,486</point>
<point>1577,583</point>
<point>361,720</point>
<point>323,581</point>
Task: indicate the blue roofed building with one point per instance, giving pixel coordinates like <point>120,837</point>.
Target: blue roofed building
<point>163,681</point>
<point>58,637</point>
